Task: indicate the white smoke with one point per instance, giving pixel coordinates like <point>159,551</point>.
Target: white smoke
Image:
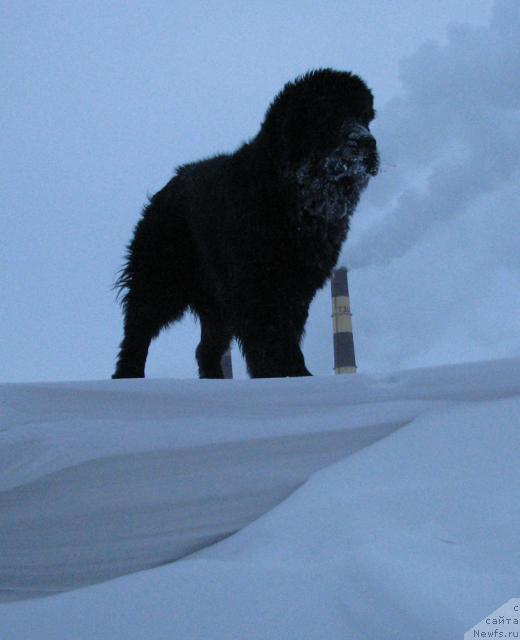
<point>434,246</point>
<point>452,137</point>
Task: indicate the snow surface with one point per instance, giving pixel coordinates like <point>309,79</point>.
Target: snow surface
<point>411,530</point>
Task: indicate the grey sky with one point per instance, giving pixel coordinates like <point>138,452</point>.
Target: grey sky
<point>102,100</point>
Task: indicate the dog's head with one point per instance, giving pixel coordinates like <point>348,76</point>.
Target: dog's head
<point>318,131</point>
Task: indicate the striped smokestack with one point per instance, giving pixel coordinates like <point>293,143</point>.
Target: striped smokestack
<point>226,364</point>
<point>344,358</point>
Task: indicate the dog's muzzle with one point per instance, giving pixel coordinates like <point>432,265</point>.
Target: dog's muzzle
<point>361,145</point>
<point>355,158</point>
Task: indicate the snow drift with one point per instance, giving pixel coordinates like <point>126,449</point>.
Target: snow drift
<point>413,532</point>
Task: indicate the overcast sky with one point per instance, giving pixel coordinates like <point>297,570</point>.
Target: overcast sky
<point>102,100</point>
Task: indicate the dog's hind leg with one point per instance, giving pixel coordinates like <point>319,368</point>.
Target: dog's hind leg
<point>158,276</point>
<point>214,341</point>
<point>133,350</point>
<point>143,322</point>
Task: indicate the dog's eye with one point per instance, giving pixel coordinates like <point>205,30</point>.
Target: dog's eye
<point>365,119</point>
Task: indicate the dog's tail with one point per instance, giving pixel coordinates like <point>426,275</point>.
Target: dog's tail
<point>159,260</point>
<point>142,251</point>
<point>126,274</point>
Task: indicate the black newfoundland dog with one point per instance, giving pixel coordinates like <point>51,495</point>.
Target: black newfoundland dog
<point>245,239</point>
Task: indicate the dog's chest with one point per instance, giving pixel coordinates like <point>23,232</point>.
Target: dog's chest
<point>324,210</point>
<point>319,236</point>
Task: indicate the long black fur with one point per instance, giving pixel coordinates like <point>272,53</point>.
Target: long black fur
<point>245,239</point>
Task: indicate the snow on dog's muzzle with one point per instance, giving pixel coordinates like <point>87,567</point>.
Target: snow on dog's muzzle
<point>361,146</point>
<point>355,158</point>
